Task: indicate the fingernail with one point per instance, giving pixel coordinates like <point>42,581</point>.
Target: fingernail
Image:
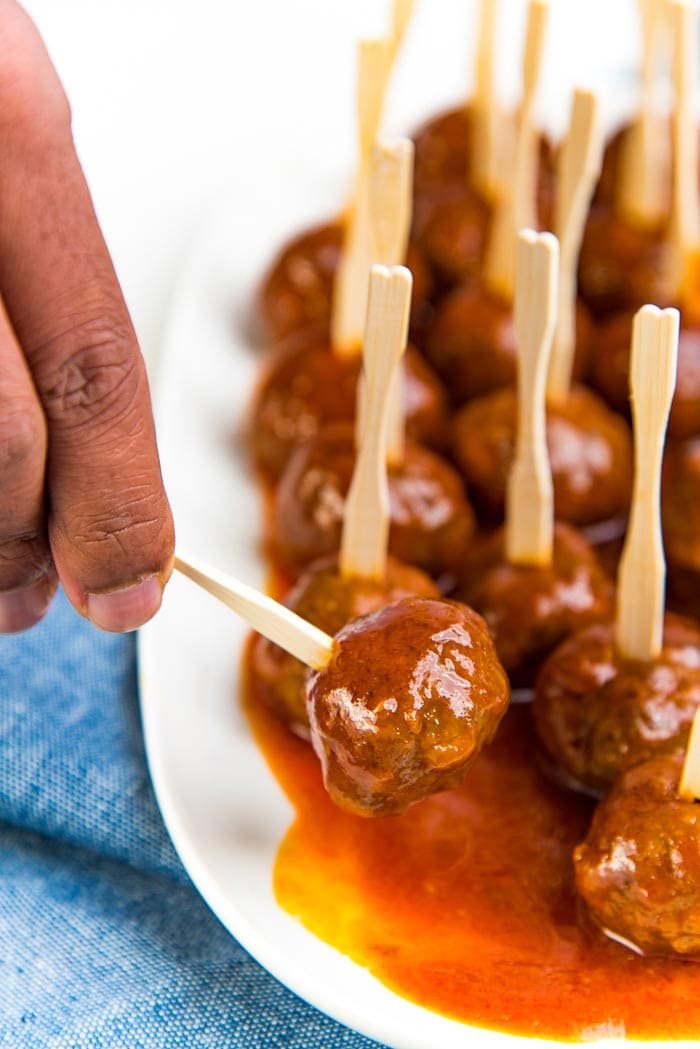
<point>127,609</point>
<point>20,609</point>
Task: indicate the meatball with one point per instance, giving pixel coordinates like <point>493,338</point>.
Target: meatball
<point>443,148</point>
<point>412,694</point>
<point>431,519</point>
<point>303,388</point>
<point>681,509</point>
<point>609,371</point>
<point>530,609</point>
<point>639,868</point>
<point>328,600</point>
<point>598,714</point>
<point>590,451</point>
<point>296,293</point>
<point>620,267</point>
<point>471,342</point>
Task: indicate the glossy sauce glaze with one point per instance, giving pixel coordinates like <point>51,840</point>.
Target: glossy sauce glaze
<point>465,904</point>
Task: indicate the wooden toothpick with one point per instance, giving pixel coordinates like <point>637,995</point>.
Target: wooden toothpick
<point>271,619</point>
<point>641,577</point>
<point>642,191</point>
<point>517,208</point>
<point>364,542</point>
<point>391,207</point>
<point>350,285</point>
<point>401,15</point>
<point>689,786</point>
<point>580,161</point>
<point>487,119</point>
<point>685,212</point>
<point>529,498</point>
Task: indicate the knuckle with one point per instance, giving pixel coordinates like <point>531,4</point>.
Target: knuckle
<point>22,444</point>
<point>100,377</point>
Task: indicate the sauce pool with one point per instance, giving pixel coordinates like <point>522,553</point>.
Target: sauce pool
<point>465,904</point>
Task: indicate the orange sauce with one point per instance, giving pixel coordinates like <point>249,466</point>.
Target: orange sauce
<point>465,904</point>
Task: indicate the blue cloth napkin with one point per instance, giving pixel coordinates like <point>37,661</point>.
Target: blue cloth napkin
<point>103,940</point>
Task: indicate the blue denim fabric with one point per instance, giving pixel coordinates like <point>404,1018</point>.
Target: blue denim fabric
<point>93,948</point>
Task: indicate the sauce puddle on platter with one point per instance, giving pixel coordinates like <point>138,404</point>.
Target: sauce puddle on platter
<point>465,904</point>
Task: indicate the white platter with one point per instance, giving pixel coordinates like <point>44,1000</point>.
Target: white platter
<point>223,809</point>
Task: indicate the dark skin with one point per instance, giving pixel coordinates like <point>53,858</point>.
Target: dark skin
<point>81,495</point>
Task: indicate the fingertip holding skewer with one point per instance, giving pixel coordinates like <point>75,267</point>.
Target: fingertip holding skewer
<point>642,573</point>
<point>277,623</point>
<point>529,496</point>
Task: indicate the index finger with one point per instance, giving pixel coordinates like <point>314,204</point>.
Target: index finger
<point>110,527</point>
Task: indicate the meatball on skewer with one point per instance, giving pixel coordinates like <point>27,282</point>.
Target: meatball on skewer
<point>333,591</point>
<point>610,359</point>
<point>535,582</point>
<point>430,518</point>
<point>618,693</point>
<point>307,386</point>
<point>638,869</point>
<point>589,446</point>
<point>471,342</point>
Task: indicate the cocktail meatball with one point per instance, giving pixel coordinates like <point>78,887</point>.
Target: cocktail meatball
<point>412,694</point>
<point>531,609</point>
<point>328,600</point>
<point>639,868</point>
<point>598,714</point>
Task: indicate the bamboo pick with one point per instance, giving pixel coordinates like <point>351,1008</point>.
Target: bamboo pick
<point>350,285</point>
<point>529,498</point>
<point>364,542</point>
<point>641,576</point>
<point>391,195</point>
<point>487,118</point>
<point>579,166</point>
<point>401,15</point>
<point>685,214</point>
<point>642,190</point>
<point>271,619</point>
<point>689,786</point>
<point>516,207</point>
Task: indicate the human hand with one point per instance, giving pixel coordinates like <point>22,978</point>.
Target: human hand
<point>81,495</point>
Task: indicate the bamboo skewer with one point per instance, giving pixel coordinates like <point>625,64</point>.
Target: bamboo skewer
<point>391,212</point>
<point>580,161</point>
<point>689,786</point>
<point>685,210</point>
<point>271,619</point>
<point>529,495</point>
<point>350,286</point>
<point>642,195</point>
<point>401,15</point>
<point>364,542</point>
<point>516,208</point>
<point>641,576</point>
<point>487,118</point>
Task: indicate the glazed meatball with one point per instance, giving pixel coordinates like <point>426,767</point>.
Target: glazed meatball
<point>680,504</point>
<point>443,148</point>
<point>639,868</point>
<point>609,371</point>
<point>431,519</point>
<point>328,600</point>
<point>530,609</point>
<point>620,267</point>
<point>302,389</point>
<point>412,694</point>
<point>598,714</point>
<point>590,451</point>
<point>296,293</point>
<point>471,342</point>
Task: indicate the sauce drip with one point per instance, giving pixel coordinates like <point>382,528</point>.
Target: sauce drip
<point>465,904</point>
